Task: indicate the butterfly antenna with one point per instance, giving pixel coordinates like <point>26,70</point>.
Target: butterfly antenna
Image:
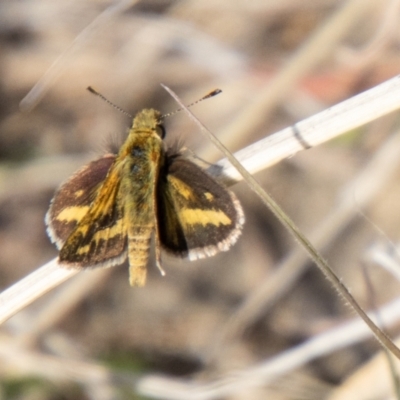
<point>207,96</point>
<point>96,93</point>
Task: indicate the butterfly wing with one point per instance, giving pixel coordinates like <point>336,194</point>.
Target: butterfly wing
<point>197,216</point>
<point>85,218</point>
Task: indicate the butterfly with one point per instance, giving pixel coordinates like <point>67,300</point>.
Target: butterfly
<point>110,209</point>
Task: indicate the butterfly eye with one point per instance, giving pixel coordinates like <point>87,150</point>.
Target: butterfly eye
<point>161,131</point>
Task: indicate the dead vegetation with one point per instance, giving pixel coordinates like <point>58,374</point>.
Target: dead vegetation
<point>211,329</point>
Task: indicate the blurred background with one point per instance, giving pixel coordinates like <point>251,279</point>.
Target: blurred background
<point>277,62</point>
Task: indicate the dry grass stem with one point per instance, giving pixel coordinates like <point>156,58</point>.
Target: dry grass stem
<point>362,190</point>
<point>320,44</point>
<point>349,333</point>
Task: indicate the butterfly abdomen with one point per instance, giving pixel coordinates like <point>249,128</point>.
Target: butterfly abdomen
<point>138,253</point>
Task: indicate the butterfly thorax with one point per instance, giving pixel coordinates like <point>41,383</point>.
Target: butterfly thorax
<point>140,159</point>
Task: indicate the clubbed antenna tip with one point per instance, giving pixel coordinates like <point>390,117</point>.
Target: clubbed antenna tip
<point>207,96</point>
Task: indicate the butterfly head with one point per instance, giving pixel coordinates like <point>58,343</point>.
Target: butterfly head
<point>149,120</point>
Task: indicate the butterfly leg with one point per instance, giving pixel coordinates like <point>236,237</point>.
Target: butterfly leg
<point>158,251</point>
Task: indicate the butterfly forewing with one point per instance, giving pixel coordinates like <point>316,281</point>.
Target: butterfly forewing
<point>86,219</point>
<point>72,200</point>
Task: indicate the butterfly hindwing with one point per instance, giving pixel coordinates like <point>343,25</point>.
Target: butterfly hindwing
<point>197,216</point>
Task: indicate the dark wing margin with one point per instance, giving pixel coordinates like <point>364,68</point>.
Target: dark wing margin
<point>197,216</point>
<point>71,201</point>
